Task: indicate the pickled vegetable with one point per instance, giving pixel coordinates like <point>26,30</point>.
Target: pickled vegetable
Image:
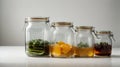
<point>103,49</point>
<point>38,47</point>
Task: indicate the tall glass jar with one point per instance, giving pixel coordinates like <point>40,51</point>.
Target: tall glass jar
<point>37,43</point>
<point>103,45</point>
<point>62,41</point>
<point>84,41</point>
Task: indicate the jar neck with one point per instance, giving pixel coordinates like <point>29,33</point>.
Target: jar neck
<point>104,35</point>
<point>37,23</point>
<point>62,28</point>
<point>85,31</point>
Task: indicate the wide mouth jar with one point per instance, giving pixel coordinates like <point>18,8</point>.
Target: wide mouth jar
<point>36,36</point>
<point>103,45</point>
<point>84,41</point>
<point>62,39</point>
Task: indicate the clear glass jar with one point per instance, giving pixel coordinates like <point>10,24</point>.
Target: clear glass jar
<point>62,40</point>
<point>103,45</point>
<point>37,41</point>
<point>84,41</point>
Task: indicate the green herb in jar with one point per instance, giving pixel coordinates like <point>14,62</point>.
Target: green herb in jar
<point>81,44</point>
<point>38,47</point>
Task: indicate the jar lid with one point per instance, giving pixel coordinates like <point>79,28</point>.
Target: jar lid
<point>62,24</point>
<point>103,32</point>
<point>36,19</point>
<point>84,27</point>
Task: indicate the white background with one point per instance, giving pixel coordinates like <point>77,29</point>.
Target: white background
<point>102,14</point>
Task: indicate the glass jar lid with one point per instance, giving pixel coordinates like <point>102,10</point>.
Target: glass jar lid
<point>84,27</point>
<point>59,24</point>
<point>104,32</point>
<point>107,33</point>
<point>37,19</point>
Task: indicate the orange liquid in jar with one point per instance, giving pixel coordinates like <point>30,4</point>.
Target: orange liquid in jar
<point>61,49</point>
<point>84,52</point>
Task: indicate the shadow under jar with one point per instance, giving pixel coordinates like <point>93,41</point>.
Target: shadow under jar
<point>103,45</point>
<point>84,41</point>
<point>62,40</point>
<point>37,43</point>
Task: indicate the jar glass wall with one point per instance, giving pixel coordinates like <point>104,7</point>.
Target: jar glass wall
<point>37,42</point>
<point>84,42</point>
<point>62,40</point>
<point>103,45</point>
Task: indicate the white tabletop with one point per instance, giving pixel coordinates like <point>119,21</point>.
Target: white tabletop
<point>14,56</point>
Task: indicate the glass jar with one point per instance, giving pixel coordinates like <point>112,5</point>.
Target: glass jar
<point>84,41</point>
<point>103,45</point>
<point>37,42</point>
<point>62,40</point>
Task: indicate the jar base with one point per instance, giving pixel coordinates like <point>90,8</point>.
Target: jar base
<point>102,54</point>
<point>33,54</point>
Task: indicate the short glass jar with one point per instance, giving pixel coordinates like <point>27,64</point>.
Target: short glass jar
<point>62,40</point>
<point>36,41</point>
<point>103,45</point>
<point>84,41</point>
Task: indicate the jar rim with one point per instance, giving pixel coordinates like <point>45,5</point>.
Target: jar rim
<point>37,19</point>
<point>84,27</point>
<point>103,32</point>
<point>59,24</point>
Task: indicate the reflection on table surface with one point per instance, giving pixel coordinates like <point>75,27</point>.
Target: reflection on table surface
<point>58,62</point>
<point>16,57</point>
<point>77,62</point>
